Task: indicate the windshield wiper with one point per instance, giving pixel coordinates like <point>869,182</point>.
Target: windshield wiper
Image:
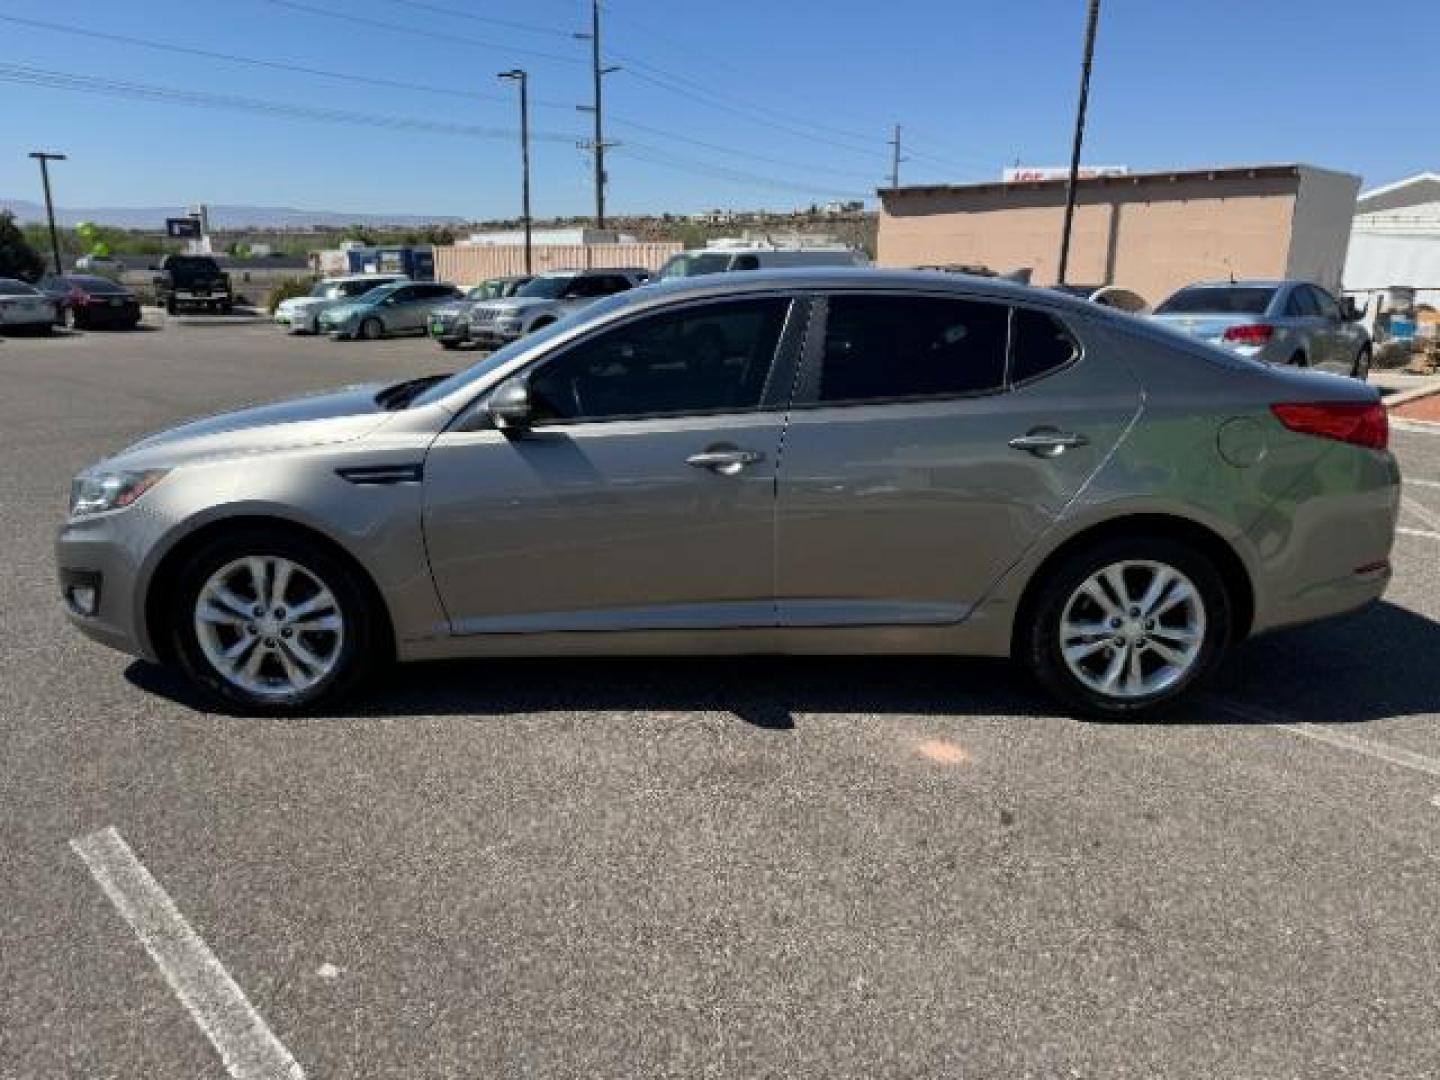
<point>394,398</point>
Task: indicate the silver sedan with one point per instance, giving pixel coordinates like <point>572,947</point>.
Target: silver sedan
<point>797,462</point>
<point>1276,322</point>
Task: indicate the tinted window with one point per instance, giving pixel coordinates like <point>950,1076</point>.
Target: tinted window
<point>545,288</point>
<point>713,358</point>
<point>1039,345</point>
<point>400,296</point>
<point>1218,300</point>
<point>10,287</point>
<point>746,262</point>
<point>879,347</point>
<point>1302,305</point>
<point>1327,304</point>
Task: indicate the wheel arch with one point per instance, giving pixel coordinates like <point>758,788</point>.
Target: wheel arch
<point>1231,568</point>
<point>164,577</point>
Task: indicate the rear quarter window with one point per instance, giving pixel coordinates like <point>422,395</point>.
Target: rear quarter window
<point>1040,344</point>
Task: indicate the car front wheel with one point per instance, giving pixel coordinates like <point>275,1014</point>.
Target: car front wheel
<point>372,329</point>
<point>1126,628</point>
<point>271,624</point>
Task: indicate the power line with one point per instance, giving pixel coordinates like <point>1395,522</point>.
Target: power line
<point>273,65</point>
<point>748,155</point>
<point>655,156</point>
<point>61,80</point>
<point>489,20</point>
<point>400,28</point>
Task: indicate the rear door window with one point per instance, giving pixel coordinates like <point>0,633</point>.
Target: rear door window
<point>1039,344</point>
<point>887,348</point>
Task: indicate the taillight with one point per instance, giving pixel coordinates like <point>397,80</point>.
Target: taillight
<point>1358,423</point>
<point>1250,334</point>
<point>78,298</point>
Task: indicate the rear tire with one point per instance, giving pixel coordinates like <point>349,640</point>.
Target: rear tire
<point>1130,655</point>
<point>1299,360</point>
<point>331,660</point>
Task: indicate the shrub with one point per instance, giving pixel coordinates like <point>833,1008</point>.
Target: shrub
<point>288,288</point>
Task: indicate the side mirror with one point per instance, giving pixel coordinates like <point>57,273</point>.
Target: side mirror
<point>509,406</point>
<point>1349,311</point>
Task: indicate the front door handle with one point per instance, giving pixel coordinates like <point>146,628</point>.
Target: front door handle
<point>1048,442</point>
<point>725,460</point>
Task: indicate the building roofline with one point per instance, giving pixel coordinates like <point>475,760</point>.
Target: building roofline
<point>1168,176</point>
<point>1386,189</point>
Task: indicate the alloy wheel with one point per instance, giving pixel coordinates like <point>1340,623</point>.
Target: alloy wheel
<point>269,627</point>
<point>1133,629</point>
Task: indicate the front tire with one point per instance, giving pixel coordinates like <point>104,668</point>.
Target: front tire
<point>372,329</point>
<point>1126,628</point>
<point>272,624</point>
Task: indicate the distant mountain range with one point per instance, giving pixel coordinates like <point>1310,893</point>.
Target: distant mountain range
<point>221,217</point>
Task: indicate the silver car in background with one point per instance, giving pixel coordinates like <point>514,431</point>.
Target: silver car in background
<point>1276,322</point>
<point>24,307</point>
<point>545,300</point>
<point>831,462</point>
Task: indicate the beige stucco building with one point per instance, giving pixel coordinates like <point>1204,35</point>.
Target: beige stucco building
<point>1150,232</point>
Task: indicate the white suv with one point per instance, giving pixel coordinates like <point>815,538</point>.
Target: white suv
<point>302,313</point>
<point>546,299</point>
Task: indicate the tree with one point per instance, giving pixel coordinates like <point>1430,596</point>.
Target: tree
<point>17,258</point>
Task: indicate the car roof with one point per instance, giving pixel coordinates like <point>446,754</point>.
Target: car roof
<point>387,279</point>
<point>1248,283</point>
<point>855,277</point>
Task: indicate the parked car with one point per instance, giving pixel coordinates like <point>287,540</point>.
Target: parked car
<point>543,301</point>
<point>450,323</point>
<point>968,467</point>
<point>193,283</point>
<point>401,308</point>
<point>24,307</point>
<point>730,256</point>
<point>1278,322</point>
<point>88,301</point>
<point>301,314</point>
<point>1107,295</point>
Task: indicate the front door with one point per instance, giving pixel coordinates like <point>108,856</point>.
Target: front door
<point>643,496</point>
<point>932,440</point>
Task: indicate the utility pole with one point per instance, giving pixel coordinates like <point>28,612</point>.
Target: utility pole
<point>895,162</point>
<point>523,78</point>
<point>597,144</point>
<point>45,158</point>
<point>1070,188</point>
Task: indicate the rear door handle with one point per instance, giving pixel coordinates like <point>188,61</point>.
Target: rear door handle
<point>724,460</point>
<point>1048,442</point>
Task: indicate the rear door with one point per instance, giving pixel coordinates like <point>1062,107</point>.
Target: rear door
<point>1307,328</point>
<point>1342,339</point>
<point>933,439</point>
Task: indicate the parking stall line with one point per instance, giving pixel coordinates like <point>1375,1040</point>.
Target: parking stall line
<point>1422,483</point>
<point>247,1046</point>
<point>1394,755</point>
<point>1423,533</point>
<point>1429,517</point>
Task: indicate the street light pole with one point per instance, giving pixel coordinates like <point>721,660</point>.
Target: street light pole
<point>45,158</point>
<point>1090,23</point>
<point>523,78</point>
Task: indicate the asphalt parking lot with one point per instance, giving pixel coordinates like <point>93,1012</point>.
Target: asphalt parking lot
<point>687,868</point>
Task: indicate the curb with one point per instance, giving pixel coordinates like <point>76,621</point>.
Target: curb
<point>1406,396</point>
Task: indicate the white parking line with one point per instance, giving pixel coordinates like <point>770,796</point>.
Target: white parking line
<point>248,1048</point>
<point>1429,517</point>
<point>1422,483</point>
<point>1407,759</point>
<point>1416,427</point>
<point>1426,533</point>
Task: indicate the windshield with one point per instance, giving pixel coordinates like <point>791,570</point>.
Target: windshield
<point>500,357</point>
<point>16,288</point>
<point>682,266</point>
<point>1218,300</point>
<point>323,290</point>
<point>545,288</point>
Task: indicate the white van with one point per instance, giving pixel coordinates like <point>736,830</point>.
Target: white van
<point>730,256</point>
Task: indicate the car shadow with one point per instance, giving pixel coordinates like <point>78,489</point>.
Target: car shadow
<point>1372,664</point>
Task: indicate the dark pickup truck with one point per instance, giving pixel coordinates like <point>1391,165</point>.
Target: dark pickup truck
<point>193,282</point>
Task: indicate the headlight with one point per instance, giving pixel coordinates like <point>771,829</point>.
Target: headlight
<point>95,493</point>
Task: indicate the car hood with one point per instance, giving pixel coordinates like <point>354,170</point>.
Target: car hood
<point>516,305</point>
<point>296,303</point>
<point>317,420</point>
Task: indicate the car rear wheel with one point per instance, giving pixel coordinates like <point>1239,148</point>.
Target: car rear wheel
<point>1126,628</point>
<point>271,624</point>
<point>1299,360</point>
<point>372,329</point>
<point>1361,370</point>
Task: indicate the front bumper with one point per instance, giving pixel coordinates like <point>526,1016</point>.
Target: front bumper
<point>94,552</point>
<point>490,336</point>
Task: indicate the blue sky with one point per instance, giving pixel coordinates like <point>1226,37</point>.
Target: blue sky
<point>791,99</point>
